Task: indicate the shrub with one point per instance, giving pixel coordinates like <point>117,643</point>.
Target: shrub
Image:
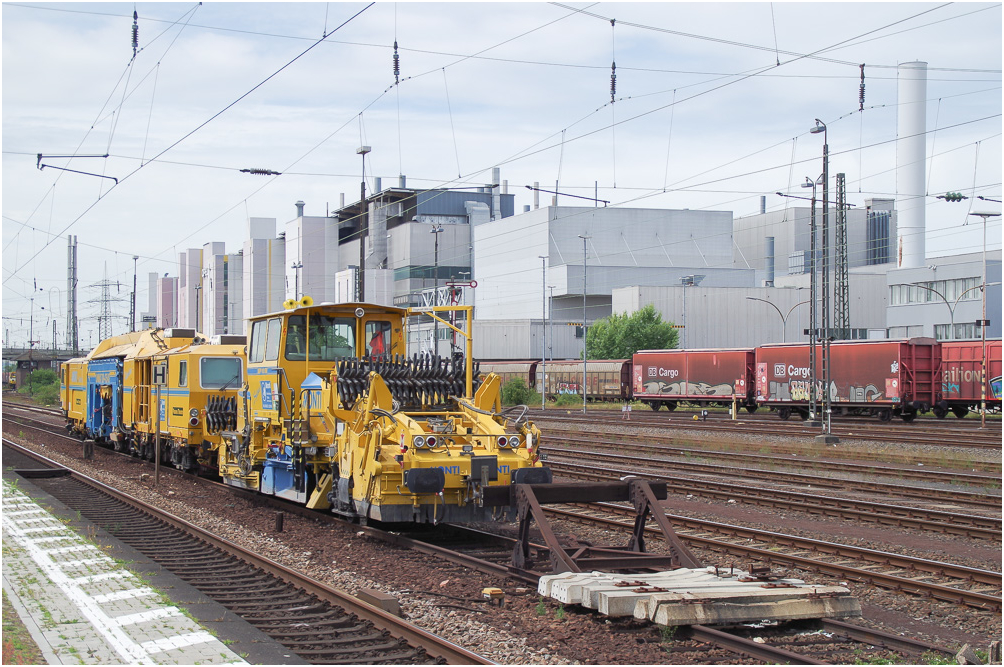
<point>43,385</point>
<point>515,392</point>
<point>567,400</point>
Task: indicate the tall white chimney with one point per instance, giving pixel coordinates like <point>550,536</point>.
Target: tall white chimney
<point>911,163</point>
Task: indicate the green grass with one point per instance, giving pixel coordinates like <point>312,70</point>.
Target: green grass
<point>18,646</point>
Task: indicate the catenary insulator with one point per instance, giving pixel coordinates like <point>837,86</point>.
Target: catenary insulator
<point>135,32</point>
<point>397,64</point>
<point>861,90</point>
<point>613,81</point>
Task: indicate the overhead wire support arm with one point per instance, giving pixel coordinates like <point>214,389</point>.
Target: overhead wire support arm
<point>42,156</point>
<point>564,194</point>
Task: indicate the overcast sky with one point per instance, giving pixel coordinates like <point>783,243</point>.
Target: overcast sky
<point>713,107</point>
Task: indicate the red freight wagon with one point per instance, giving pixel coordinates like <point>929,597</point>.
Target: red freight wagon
<point>960,376</point>
<point>880,377</point>
<point>705,377</point>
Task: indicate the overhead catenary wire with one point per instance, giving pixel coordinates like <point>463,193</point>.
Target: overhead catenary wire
<point>459,169</point>
<point>203,124</point>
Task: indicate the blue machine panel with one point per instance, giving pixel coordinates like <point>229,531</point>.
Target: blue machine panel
<point>104,397</point>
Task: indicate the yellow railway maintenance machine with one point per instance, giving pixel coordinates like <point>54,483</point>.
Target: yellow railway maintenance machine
<point>336,416</point>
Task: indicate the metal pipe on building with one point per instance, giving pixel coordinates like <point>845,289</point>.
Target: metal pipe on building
<point>769,260</point>
<point>536,195</point>
<point>911,163</point>
<point>496,194</point>
<point>299,208</point>
<point>763,204</point>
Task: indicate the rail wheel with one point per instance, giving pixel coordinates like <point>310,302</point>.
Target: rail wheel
<point>751,409</point>
<point>960,411</point>
<point>784,413</point>
<point>885,415</point>
<point>670,405</point>
<point>939,412</point>
<point>908,416</point>
<point>655,405</point>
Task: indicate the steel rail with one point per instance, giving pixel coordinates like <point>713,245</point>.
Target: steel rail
<point>983,527</point>
<point>979,499</point>
<point>397,627</point>
<point>908,472</point>
<point>872,432</point>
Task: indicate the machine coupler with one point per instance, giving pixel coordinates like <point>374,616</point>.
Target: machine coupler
<point>581,556</point>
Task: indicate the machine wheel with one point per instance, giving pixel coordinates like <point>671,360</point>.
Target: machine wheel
<point>960,411</point>
<point>885,415</point>
<point>784,413</point>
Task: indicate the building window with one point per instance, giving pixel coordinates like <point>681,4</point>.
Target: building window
<point>961,289</point>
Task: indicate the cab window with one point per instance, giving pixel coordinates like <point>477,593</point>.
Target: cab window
<point>272,343</point>
<point>183,374</point>
<point>257,347</point>
<point>378,337</point>
<point>328,338</point>
<point>220,372</point>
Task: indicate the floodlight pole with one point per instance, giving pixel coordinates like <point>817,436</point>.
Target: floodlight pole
<point>543,329</point>
<point>584,330</point>
<point>983,323</point>
<point>363,213</point>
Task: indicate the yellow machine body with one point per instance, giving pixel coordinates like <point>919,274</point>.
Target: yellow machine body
<point>337,417</point>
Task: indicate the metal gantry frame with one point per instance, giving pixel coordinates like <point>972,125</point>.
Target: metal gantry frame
<point>841,279</point>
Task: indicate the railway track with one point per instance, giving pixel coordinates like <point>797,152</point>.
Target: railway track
<point>651,446</point>
<point>696,469</point>
<point>967,437</point>
<point>318,623</point>
<point>830,642</point>
<point>490,556</point>
<point>968,525</point>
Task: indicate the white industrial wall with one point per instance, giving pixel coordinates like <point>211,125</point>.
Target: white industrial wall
<point>624,244</point>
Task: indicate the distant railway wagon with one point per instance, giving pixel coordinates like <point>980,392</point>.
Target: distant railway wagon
<point>960,376</point>
<point>664,378</point>
<point>507,370</point>
<point>880,377</point>
<point>605,380</point>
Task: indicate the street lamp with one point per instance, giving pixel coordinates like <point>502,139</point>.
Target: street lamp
<point>437,230</point>
<point>983,322</point>
<point>784,317</point>
<point>198,288</point>
<point>821,128</point>
<point>363,212</point>
<point>584,392</point>
<point>134,258</point>
<point>550,321</point>
<point>543,330</point>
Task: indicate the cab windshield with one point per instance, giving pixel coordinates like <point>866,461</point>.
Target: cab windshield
<point>329,338</point>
